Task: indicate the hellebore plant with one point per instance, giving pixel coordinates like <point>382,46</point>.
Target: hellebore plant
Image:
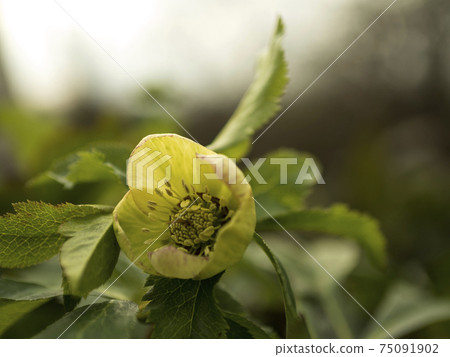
<point>189,215</point>
<point>188,229</point>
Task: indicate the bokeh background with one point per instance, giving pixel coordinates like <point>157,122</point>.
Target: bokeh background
<point>378,119</point>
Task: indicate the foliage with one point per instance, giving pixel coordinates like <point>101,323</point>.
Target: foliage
<point>259,103</point>
<point>100,162</point>
<point>109,319</point>
<point>30,236</point>
<point>338,220</point>
<point>63,274</point>
<point>185,309</point>
<point>88,258</point>
<point>295,327</point>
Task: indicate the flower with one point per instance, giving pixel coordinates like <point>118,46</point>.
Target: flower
<point>189,212</point>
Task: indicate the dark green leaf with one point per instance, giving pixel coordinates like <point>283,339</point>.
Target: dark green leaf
<point>70,300</point>
<point>336,220</point>
<point>185,309</point>
<point>260,102</point>
<point>35,321</point>
<point>228,303</point>
<point>30,236</point>
<point>88,258</point>
<point>12,311</point>
<point>152,280</point>
<point>295,326</point>
<point>241,327</point>
<point>110,319</point>
<point>233,311</point>
<point>100,162</point>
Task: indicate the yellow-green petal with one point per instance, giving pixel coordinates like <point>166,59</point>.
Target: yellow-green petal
<point>234,237</point>
<point>134,230</point>
<point>142,219</point>
<point>174,263</point>
<point>148,163</point>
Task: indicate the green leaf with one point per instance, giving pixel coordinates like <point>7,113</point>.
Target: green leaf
<point>110,319</point>
<point>15,290</point>
<point>323,303</point>
<point>34,321</point>
<point>100,162</point>
<point>48,274</point>
<point>12,311</point>
<point>227,303</point>
<point>70,300</point>
<point>277,197</point>
<point>317,292</point>
<point>336,220</point>
<point>405,309</point>
<point>152,280</point>
<point>30,236</point>
<point>127,281</point>
<point>88,258</point>
<point>241,327</point>
<point>17,299</point>
<point>233,312</point>
<point>295,326</point>
<point>185,309</point>
<point>259,104</point>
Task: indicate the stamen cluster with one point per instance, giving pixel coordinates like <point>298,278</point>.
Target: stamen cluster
<point>194,220</point>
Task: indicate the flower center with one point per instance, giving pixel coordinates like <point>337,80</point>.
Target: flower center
<point>193,228</point>
<point>194,218</point>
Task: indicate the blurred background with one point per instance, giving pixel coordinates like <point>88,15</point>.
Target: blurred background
<point>378,120</point>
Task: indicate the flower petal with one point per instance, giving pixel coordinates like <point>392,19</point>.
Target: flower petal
<point>173,158</point>
<point>133,228</point>
<point>174,263</point>
<point>143,215</point>
<point>234,237</point>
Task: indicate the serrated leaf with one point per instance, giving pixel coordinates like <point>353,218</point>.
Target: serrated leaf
<point>88,258</point>
<point>185,309</point>
<point>295,326</point>
<point>110,319</point>
<point>406,309</point>
<point>100,162</point>
<point>337,220</point>
<point>30,236</point>
<point>260,102</point>
<point>278,194</point>
<point>152,280</point>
